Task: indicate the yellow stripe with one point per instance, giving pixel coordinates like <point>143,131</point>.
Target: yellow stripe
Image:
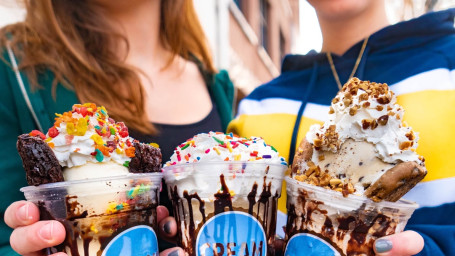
<point>432,115</point>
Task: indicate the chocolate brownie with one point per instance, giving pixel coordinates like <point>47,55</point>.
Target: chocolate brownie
<point>40,163</point>
<point>146,159</point>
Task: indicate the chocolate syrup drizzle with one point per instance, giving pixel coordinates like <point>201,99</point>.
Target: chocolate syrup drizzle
<point>144,213</point>
<point>223,198</point>
<point>223,203</point>
<point>357,224</point>
<point>190,207</point>
<point>252,198</point>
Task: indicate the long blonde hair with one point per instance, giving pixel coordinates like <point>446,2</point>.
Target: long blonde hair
<point>72,40</point>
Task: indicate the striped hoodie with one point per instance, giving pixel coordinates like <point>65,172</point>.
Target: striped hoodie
<point>416,59</point>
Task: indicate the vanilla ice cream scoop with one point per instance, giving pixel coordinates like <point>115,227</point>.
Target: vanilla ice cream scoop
<point>363,148</point>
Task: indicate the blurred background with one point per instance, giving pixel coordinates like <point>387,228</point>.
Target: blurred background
<point>249,38</point>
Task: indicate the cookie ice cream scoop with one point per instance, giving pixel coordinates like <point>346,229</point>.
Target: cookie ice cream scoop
<point>363,148</point>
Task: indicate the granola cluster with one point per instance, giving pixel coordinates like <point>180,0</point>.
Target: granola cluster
<point>315,176</point>
<point>329,139</point>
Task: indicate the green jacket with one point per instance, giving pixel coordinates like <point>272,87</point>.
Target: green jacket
<point>22,111</point>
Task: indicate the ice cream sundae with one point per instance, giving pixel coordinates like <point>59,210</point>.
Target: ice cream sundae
<point>224,191</point>
<point>347,172</point>
<point>87,173</point>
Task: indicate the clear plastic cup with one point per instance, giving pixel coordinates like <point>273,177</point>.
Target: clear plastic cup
<point>225,208</point>
<point>323,222</point>
<point>103,216</point>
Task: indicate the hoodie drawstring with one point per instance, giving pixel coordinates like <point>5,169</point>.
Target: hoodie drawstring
<point>298,119</point>
<point>361,69</point>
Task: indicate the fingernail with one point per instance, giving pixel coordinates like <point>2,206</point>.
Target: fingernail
<point>383,245</point>
<point>46,231</point>
<point>174,253</point>
<point>167,229</point>
<point>22,212</point>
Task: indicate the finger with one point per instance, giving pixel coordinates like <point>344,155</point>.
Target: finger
<point>37,236</point>
<point>401,244</point>
<point>176,251</point>
<point>279,246</point>
<point>168,229</point>
<point>161,212</point>
<point>21,213</point>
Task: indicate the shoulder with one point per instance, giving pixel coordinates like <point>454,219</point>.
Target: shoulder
<point>8,97</point>
<point>223,91</point>
<point>296,69</point>
<point>7,73</point>
<point>289,85</point>
<point>223,80</point>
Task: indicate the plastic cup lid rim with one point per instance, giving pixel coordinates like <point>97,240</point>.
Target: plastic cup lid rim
<point>63,184</point>
<point>353,197</point>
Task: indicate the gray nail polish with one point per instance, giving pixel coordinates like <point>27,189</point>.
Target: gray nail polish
<point>167,229</point>
<point>174,253</point>
<point>383,245</point>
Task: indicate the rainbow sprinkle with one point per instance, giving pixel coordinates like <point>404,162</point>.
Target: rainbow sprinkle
<point>218,140</point>
<point>109,137</point>
<point>216,146</point>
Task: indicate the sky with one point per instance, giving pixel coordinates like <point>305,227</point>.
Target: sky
<point>310,35</point>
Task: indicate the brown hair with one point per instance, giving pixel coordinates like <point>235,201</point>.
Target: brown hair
<point>72,40</point>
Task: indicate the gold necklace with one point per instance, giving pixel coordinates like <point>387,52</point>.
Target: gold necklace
<point>356,65</point>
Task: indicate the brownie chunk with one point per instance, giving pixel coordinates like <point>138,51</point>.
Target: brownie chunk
<point>146,159</point>
<point>40,163</point>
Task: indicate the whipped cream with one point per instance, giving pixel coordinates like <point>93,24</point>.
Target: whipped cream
<point>198,163</point>
<point>88,134</point>
<point>365,111</point>
<point>214,146</point>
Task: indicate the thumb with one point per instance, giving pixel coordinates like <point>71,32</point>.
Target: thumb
<point>401,244</point>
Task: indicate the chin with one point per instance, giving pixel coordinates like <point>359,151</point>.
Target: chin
<point>340,9</point>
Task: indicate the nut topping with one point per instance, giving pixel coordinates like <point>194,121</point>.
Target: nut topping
<point>353,110</point>
<point>383,119</point>
<point>405,145</point>
<point>334,182</point>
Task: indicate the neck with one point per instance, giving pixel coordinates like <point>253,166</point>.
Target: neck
<point>342,33</point>
<point>140,23</point>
